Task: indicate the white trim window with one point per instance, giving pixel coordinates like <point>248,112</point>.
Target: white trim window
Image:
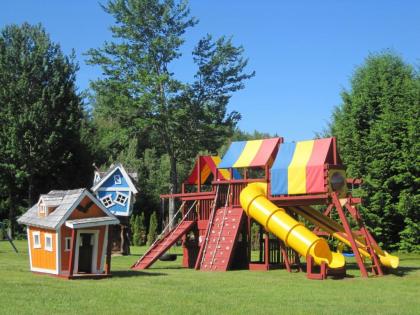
<point>67,244</point>
<point>117,179</point>
<point>107,201</point>
<point>48,242</point>
<point>43,209</point>
<point>37,239</point>
<point>121,199</point>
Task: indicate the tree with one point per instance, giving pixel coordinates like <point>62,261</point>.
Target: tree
<point>153,224</point>
<point>40,116</point>
<point>377,127</point>
<point>138,229</point>
<point>139,97</point>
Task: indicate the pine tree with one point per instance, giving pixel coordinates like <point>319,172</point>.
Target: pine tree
<point>134,225</point>
<point>377,128</point>
<point>40,117</point>
<point>152,235</point>
<point>142,230</point>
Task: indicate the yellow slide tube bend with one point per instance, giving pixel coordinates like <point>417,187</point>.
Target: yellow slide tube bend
<point>295,235</point>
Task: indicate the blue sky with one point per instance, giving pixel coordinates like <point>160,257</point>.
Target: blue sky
<point>303,52</point>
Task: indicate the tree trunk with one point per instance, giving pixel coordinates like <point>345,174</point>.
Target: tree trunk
<point>12,211</point>
<point>173,188</point>
<point>30,191</point>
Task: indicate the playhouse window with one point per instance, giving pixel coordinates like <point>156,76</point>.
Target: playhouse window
<point>48,242</point>
<point>37,240</point>
<point>121,199</point>
<point>107,201</point>
<point>42,209</point>
<point>67,244</point>
<point>117,179</point>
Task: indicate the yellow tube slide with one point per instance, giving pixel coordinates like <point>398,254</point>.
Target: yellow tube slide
<point>336,230</point>
<point>295,235</point>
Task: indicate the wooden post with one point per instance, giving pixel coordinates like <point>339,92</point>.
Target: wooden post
<point>72,252</point>
<point>249,239</point>
<point>334,143</point>
<point>309,270</point>
<point>368,238</point>
<point>108,252</point>
<point>349,233</point>
<point>198,174</point>
<point>267,250</point>
<point>285,257</point>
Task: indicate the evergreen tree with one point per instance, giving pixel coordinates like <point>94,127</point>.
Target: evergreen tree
<point>377,127</point>
<point>142,230</point>
<point>153,224</point>
<point>134,225</point>
<point>141,98</point>
<point>40,117</point>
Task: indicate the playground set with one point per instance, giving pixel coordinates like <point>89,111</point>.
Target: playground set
<point>270,183</point>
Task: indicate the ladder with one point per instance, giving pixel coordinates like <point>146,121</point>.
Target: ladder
<point>165,240</point>
<point>202,252</point>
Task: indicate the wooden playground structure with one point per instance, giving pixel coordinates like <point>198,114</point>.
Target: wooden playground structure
<point>272,184</point>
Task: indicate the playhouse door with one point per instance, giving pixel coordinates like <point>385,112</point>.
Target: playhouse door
<point>85,253</point>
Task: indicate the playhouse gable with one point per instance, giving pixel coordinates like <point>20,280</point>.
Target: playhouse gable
<point>116,177</point>
<point>116,190</point>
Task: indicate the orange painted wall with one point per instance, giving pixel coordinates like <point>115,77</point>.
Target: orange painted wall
<point>65,255</point>
<point>42,258</point>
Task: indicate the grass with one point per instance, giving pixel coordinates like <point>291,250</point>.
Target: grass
<point>168,289</point>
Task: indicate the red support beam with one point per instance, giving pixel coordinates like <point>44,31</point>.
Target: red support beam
<point>334,143</point>
<point>368,238</point>
<point>285,257</point>
<point>266,249</point>
<point>310,274</point>
<point>197,195</point>
<point>304,200</point>
<point>108,252</point>
<point>349,233</point>
<point>72,252</point>
<point>199,174</point>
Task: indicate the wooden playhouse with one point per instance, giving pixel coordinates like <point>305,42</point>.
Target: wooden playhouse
<point>68,234</point>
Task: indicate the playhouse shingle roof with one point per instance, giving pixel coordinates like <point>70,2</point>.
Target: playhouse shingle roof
<point>65,199</point>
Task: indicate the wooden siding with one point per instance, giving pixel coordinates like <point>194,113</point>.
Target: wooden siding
<point>93,212</point>
<point>41,258</point>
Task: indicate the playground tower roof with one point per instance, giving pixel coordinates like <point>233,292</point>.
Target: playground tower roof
<point>253,153</point>
<point>208,165</point>
<point>299,167</point>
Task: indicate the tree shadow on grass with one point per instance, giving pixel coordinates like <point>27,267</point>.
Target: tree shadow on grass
<point>399,272</point>
<point>135,273</point>
<point>170,268</point>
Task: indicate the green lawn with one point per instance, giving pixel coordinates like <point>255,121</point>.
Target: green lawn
<point>168,289</point>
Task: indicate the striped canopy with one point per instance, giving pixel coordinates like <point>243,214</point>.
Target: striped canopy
<point>254,153</point>
<point>208,166</point>
<point>299,167</point>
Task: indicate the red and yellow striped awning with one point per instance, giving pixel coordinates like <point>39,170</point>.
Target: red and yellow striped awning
<point>208,165</point>
<point>253,153</point>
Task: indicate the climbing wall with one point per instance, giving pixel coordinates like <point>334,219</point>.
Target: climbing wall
<point>220,245</point>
